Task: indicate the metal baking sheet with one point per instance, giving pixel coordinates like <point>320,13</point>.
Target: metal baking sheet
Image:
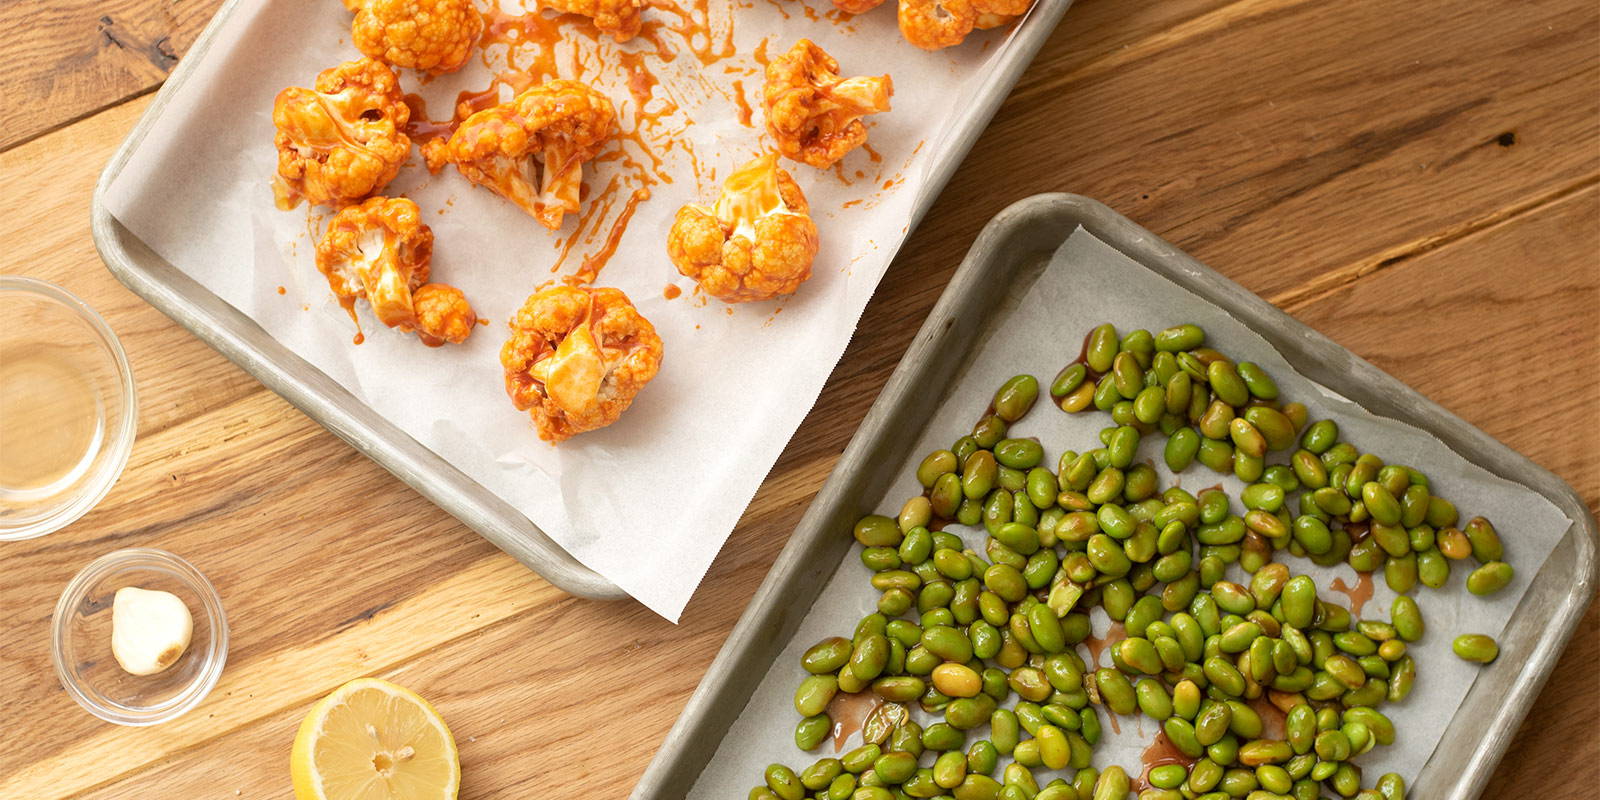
<point>1011,251</point>
<point>240,339</point>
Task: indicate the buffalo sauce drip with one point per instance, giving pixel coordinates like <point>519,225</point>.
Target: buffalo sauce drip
<point>744,105</point>
<point>671,292</point>
<point>538,47</point>
<point>708,41</point>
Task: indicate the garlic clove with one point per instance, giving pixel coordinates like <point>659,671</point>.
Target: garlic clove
<point>150,630</point>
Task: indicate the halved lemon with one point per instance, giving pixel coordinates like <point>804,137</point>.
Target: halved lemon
<point>373,740</point>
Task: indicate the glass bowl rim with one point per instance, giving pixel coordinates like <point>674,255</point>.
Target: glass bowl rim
<point>119,443</point>
<point>108,566</point>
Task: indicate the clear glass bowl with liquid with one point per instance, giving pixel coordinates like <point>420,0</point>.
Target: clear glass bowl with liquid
<point>67,408</point>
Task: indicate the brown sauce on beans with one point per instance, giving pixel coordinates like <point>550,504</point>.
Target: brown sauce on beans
<point>849,712</point>
<point>1359,594</point>
<point>1160,753</point>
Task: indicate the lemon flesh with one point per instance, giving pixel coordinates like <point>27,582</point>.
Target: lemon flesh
<point>373,740</point>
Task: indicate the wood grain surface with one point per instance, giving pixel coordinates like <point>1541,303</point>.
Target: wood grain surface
<point>1418,180</point>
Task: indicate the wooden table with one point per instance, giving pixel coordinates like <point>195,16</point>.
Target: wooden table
<point>1419,180</point>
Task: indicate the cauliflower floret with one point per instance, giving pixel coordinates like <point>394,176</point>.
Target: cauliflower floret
<point>434,36</point>
<point>813,114</point>
<point>936,24</point>
<point>531,150</point>
<point>443,314</point>
<point>994,13</point>
<point>576,358</point>
<point>342,140</point>
<point>381,250</point>
<point>755,244</point>
<point>620,18</point>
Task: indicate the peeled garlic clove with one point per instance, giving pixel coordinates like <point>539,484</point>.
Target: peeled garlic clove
<point>149,629</point>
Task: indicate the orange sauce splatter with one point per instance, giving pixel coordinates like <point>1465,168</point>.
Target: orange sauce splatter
<point>594,262</point>
<point>282,290</point>
<point>852,203</point>
<point>744,105</point>
<point>872,154</point>
<point>811,13</point>
<point>841,18</point>
<point>671,292</point>
<point>760,53</point>
<point>419,127</point>
<point>710,41</point>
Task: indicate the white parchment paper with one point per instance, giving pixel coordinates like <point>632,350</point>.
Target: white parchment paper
<point>648,501</point>
<point>1088,283</point>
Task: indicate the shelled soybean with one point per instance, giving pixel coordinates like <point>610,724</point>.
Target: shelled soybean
<point>987,641</point>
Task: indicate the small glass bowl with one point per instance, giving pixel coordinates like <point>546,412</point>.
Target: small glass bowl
<point>81,639</point>
<point>67,408</point>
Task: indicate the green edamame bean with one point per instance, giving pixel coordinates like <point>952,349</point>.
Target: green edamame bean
<point>1226,383</point>
<point>949,770</point>
<point>826,656</point>
<point>1320,437</point>
<point>1021,454</point>
<point>1433,569</point>
<point>1015,397</point>
<point>1113,784</point>
<point>811,731</point>
<point>1124,445</point>
<point>1215,454</point>
<point>1181,448</point>
<point>875,530</point>
<point>1490,578</point>
<point>1380,503</point>
<point>939,462</point>
<point>1153,699</point>
<point>784,783</point>
<point>1406,616</point>
<point>1101,347</point>
<point>1179,338</point>
<point>978,475</point>
<point>1127,375</point>
<point>1067,380</point>
<point>1214,422</point>
<point>1476,647</point>
<point>1257,381</point>
<point>1401,573</point>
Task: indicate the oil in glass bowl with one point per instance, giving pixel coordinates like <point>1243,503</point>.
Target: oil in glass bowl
<point>67,408</point>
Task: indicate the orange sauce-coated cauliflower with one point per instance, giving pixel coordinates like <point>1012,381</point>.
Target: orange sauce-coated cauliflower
<point>994,13</point>
<point>381,250</point>
<point>755,244</point>
<point>620,18</point>
<point>576,358</point>
<point>434,36</point>
<point>342,140</point>
<point>936,24</point>
<point>531,150</point>
<point>812,113</point>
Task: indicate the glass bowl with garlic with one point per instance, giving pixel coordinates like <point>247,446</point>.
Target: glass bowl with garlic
<point>139,637</point>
